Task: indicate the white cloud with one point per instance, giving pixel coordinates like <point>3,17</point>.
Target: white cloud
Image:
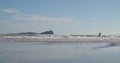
<point>42,18</point>
<point>11,10</point>
<point>20,16</point>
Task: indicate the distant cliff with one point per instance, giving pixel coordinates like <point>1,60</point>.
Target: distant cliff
<point>47,32</point>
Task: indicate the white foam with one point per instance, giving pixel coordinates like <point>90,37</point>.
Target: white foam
<point>58,38</point>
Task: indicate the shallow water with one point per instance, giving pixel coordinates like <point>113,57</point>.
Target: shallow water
<point>38,52</point>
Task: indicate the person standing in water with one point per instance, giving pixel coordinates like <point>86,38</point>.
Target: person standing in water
<point>99,35</point>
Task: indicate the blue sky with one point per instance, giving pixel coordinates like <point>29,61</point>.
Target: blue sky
<point>61,16</point>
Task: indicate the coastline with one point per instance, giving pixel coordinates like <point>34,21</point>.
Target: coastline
<point>59,38</point>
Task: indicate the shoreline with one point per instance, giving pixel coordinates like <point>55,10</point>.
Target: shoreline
<point>59,38</point>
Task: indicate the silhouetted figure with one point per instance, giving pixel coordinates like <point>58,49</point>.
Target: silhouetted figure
<point>99,35</point>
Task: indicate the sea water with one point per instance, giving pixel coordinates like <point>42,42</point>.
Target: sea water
<point>41,52</point>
